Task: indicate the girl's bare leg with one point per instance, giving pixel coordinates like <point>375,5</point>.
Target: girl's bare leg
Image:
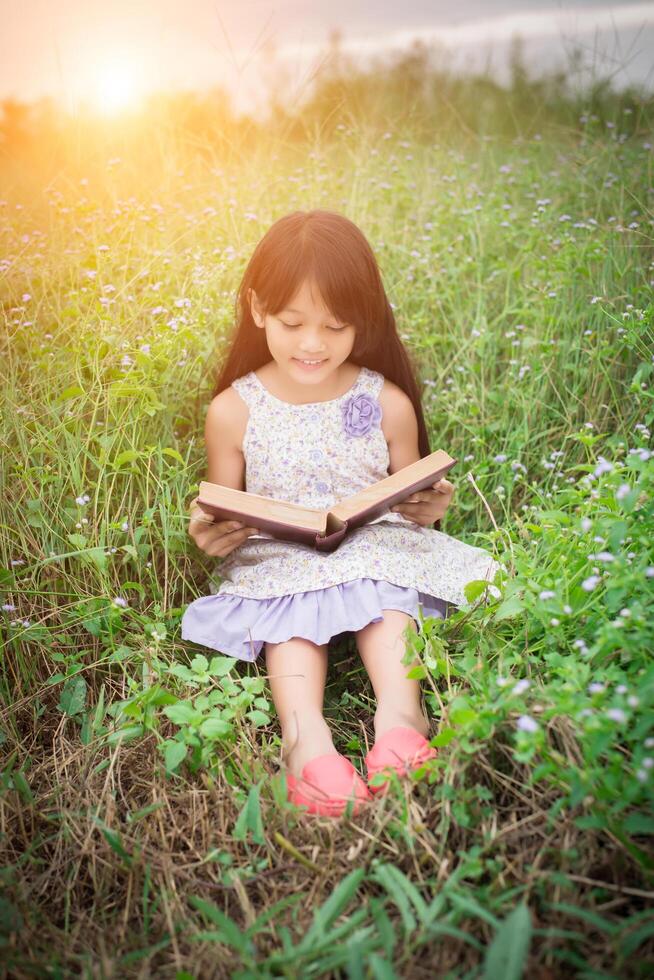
<point>297,670</point>
<point>382,646</point>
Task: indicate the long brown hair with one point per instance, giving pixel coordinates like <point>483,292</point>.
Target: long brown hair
<point>329,249</point>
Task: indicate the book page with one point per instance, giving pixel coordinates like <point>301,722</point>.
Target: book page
<point>254,506</point>
<point>392,489</point>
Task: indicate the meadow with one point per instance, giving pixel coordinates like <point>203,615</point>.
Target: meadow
<point>143,824</point>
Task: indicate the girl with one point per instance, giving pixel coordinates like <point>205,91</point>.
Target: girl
<point>316,400</point>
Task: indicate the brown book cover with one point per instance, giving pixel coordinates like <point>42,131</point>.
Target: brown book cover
<point>323,529</point>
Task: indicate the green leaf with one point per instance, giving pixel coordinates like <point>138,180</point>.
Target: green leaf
<point>630,943</point>
<point>21,784</point>
<point>229,933</point>
<point>128,456</point>
<point>220,666</point>
<point>474,589</point>
<point>173,454</point>
<point>78,541</point>
<point>444,737</point>
<point>327,914</point>
<point>460,712</point>
<point>639,823</point>
<point>396,882</point>
<point>249,819</point>
<point>508,952</point>
<point>72,392</point>
<point>73,696</point>
<point>512,606</point>
<point>215,728</point>
<point>124,734</point>
<point>174,754</point>
<point>97,557</point>
<point>183,713</point>
<point>10,918</point>
<point>258,718</point>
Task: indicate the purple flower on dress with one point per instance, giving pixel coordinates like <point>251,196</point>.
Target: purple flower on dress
<point>361,413</point>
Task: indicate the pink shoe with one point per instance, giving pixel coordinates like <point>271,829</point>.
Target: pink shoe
<point>326,785</point>
<point>400,749</point>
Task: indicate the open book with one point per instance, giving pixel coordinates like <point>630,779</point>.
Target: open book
<point>323,529</point>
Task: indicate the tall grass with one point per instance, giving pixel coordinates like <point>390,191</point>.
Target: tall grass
<point>144,823</point>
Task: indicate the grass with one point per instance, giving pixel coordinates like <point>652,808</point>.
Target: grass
<point>144,828</point>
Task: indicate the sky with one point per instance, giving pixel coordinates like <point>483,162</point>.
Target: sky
<point>111,54</point>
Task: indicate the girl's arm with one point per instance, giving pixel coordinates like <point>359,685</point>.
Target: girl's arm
<point>400,426</point>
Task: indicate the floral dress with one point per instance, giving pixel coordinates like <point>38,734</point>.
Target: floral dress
<point>314,455</point>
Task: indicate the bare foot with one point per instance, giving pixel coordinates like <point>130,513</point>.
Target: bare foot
<point>315,739</point>
<point>389,717</point>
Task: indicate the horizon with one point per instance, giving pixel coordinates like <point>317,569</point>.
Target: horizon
<point>127,55</point>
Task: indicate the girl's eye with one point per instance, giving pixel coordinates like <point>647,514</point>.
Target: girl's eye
<point>292,326</point>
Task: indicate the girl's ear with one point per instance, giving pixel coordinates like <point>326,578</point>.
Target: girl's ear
<point>254,308</point>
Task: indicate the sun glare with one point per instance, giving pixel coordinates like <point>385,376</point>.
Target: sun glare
<point>117,88</point>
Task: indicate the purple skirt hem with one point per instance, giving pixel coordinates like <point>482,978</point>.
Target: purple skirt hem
<point>239,626</point>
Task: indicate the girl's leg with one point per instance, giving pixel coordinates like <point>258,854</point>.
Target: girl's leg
<point>297,670</point>
<point>382,646</point>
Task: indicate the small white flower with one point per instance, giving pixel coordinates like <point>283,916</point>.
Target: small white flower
<point>596,688</point>
<point>567,609</point>
<point>602,467</point>
<point>503,681</point>
<point>527,724</point>
<point>586,524</point>
<point>649,571</point>
<point>621,689</point>
<point>622,491</point>
<point>124,526</point>
<point>649,743</point>
<point>633,700</point>
<point>647,762</point>
<point>119,601</point>
<point>521,686</point>
<point>641,775</point>
<point>616,714</point>
<point>580,644</point>
<point>546,594</point>
<point>500,458</point>
<point>590,583</point>
<point>9,607</point>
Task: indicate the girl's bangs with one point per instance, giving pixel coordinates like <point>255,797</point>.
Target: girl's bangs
<point>337,284</point>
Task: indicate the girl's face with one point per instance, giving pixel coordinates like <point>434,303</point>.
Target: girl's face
<point>305,330</point>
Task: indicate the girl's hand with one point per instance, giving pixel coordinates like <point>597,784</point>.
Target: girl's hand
<point>427,506</point>
<point>216,538</point>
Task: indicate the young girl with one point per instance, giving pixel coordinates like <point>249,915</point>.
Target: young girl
<point>317,399</point>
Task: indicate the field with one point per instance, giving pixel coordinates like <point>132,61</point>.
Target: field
<point>143,823</point>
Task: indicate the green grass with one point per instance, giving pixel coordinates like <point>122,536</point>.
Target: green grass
<point>144,829</point>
